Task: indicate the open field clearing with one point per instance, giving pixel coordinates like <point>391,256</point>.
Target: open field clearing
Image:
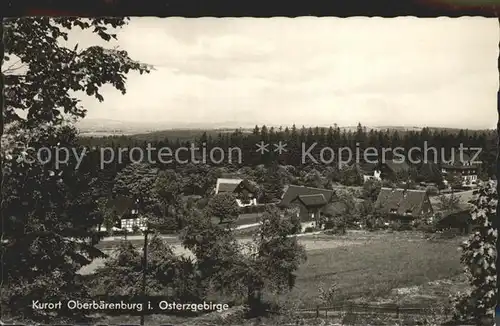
<point>384,263</point>
<point>362,264</point>
<point>401,268</point>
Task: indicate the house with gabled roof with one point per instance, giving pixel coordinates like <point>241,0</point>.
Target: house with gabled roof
<point>125,209</point>
<point>382,170</point>
<point>310,201</point>
<point>459,217</point>
<point>391,169</point>
<point>461,164</point>
<point>245,190</point>
<point>369,171</point>
<point>226,185</point>
<point>405,204</point>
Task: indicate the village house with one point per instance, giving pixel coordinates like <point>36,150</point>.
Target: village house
<point>404,204</point>
<point>385,170</point>
<point>125,209</point>
<point>461,165</point>
<point>369,171</point>
<point>310,202</point>
<point>244,190</point>
<point>458,218</point>
<point>393,169</point>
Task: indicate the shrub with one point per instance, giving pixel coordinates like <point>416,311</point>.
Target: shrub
<point>338,224</point>
<point>424,224</point>
<point>329,224</point>
<point>374,223</point>
<point>397,225</point>
<point>326,295</point>
<point>426,228</point>
<point>169,275</point>
<point>478,256</point>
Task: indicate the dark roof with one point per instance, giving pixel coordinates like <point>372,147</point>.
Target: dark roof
<point>312,200</point>
<point>293,191</point>
<point>227,185</point>
<point>249,185</point>
<point>121,205</point>
<point>460,167</point>
<point>401,201</point>
<point>230,185</point>
<point>459,158</point>
<point>455,218</point>
<point>456,156</point>
<point>396,166</point>
<point>464,200</point>
<point>429,167</point>
<point>367,168</point>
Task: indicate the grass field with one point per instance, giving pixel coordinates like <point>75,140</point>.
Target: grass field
<point>382,264</point>
<point>402,268</point>
<point>366,266</point>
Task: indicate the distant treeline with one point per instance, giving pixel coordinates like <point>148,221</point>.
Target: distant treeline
<point>298,139</point>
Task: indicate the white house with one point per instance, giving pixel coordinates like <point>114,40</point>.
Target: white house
<point>375,175</point>
<point>244,190</point>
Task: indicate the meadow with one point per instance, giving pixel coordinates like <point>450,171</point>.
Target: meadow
<point>401,268</point>
<point>373,266</point>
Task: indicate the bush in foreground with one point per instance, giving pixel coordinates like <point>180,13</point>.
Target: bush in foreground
<point>168,275</point>
<point>478,257</point>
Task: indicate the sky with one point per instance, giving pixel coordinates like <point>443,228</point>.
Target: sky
<point>308,71</point>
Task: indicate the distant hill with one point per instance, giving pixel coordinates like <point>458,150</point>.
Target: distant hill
<point>157,130</point>
<point>108,127</point>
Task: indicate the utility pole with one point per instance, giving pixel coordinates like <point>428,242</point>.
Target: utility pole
<point>144,273</point>
<point>144,264</point>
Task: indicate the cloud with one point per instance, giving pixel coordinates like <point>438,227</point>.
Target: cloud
<point>309,71</point>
